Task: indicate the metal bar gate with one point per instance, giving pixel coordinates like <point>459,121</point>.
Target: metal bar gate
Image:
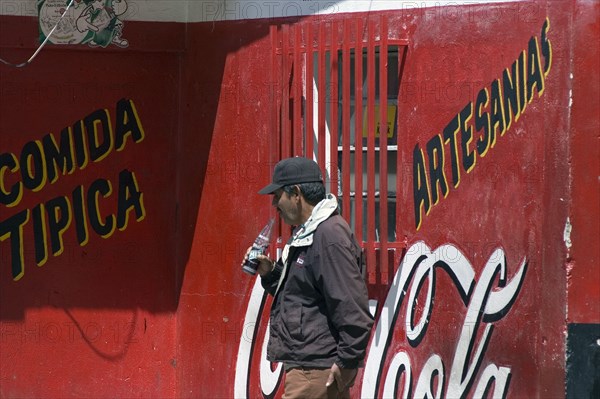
<point>336,101</point>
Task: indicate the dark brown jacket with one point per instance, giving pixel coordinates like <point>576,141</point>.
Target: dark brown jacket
<point>320,315</point>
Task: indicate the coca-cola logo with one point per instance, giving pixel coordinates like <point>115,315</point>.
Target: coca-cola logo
<point>487,299</point>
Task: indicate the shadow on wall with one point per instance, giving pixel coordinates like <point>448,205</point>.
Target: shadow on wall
<point>106,150</point>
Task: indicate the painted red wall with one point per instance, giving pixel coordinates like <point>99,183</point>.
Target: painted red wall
<point>227,104</point>
<point>514,198</point>
<point>159,308</point>
<point>97,319</point>
<point>583,276</point>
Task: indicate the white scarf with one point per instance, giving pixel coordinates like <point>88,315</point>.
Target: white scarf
<point>304,234</point>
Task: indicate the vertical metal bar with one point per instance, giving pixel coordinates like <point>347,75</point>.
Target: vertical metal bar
<point>285,104</point>
<point>346,120</point>
<point>383,139</point>
<point>274,94</point>
<point>390,265</point>
<point>297,120</point>
<point>371,151</point>
<point>358,140</point>
<point>399,157</point>
<point>274,131</point>
<point>309,81</point>
<point>334,104</point>
<point>322,96</point>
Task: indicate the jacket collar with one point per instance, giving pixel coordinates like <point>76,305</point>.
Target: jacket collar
<point>303,235</point>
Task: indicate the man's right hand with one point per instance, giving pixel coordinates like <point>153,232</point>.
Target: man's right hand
<point>344,378</point>
<point>265,265</point>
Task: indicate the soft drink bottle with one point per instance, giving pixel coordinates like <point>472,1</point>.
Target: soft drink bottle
<point>258,248</point>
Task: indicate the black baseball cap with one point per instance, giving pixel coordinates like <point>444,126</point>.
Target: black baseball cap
<point>293,171</point>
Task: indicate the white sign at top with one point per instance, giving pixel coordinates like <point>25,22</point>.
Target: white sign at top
<point>227,10</point>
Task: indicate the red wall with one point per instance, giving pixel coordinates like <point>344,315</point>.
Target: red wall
<point>584,290</point>
<point>215,230</point>
<point>159,309</point>
<point>97,318</point>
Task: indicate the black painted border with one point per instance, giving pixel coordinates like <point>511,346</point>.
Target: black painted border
<point>583,361</point>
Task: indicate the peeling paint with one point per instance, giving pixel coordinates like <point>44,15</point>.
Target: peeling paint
<point>567,234</point>
<point>570,98</point>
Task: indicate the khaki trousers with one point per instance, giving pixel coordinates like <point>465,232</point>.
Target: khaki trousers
<point>310,384</point>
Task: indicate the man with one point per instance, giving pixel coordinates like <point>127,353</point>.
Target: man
<point>320,321</point>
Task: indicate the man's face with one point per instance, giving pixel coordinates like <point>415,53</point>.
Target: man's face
<point>288,206</point>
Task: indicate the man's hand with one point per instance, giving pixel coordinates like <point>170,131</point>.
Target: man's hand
<point>344,378</point>
<point>265,265</point>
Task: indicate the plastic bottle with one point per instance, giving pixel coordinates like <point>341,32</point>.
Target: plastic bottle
<point>258,248</point>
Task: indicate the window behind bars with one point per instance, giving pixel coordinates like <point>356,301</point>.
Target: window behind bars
<point>336,82</point>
